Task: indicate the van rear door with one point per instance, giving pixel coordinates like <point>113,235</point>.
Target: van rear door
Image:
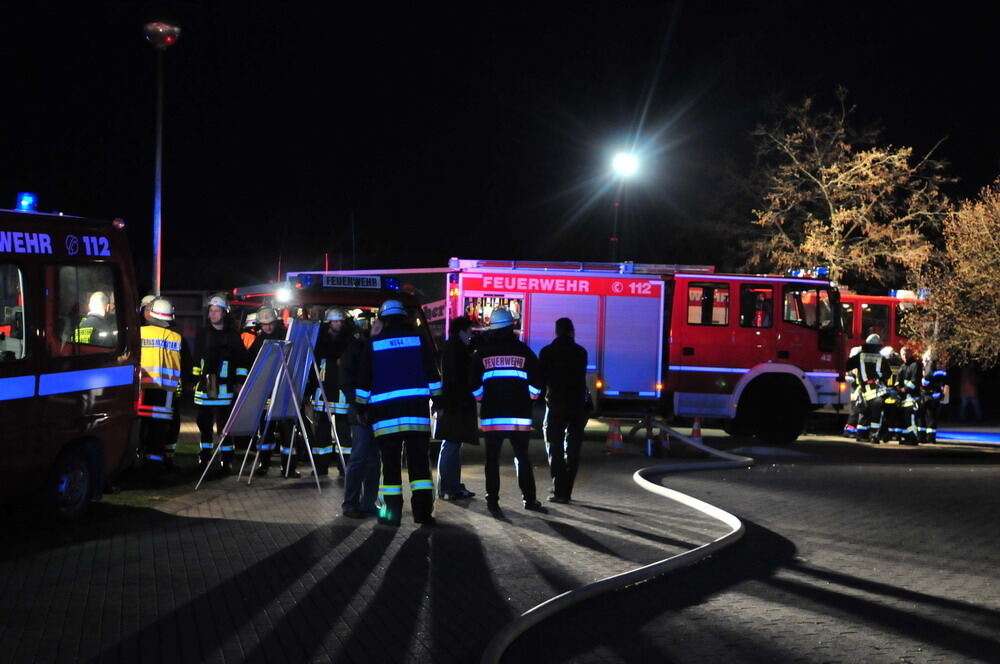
<point>18,373</point>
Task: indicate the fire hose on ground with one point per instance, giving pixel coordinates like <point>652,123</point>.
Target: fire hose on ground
<point>501,641</point>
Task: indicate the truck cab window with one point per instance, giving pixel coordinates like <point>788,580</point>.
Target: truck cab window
<point>12,346</point>
<point>83,302</point>
<point>708,304</point>
<point>756,306</point>
<point>809,306</point>
<point>875,320</point>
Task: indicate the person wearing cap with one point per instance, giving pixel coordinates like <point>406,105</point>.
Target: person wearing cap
<point>272,328</point>
<point>564,373</point>
<point>871,371</point>
<point>336,335</point>
<point>457,421</point>
<point>160,368</point>
<point>506,381</point>
<point>220,367</point>
<point>397,377</point>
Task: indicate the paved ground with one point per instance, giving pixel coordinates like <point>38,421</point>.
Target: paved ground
<point>852,554</point>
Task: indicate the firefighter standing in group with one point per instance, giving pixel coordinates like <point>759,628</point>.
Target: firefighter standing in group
<point>159,385</point>
<point>271,328</point>
<point>220,367</point>
<point>933,386</point>
<point>851,428</point>
<point>336,335</point>
<point>564,373</point>
<point>506,381</point>
<point>871,370</point>
<point>397,377</point>
<point>364,469</point>
<point>910,375</point>
<point>892,401</point>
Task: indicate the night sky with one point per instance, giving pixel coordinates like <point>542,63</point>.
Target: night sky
<point>476,130</point>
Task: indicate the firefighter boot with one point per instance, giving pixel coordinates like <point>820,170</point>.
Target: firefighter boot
<point>422,502</point>
<point>322,461</point>
<point>227,463</point>
<point>204,456</point>
<point>391,513</point>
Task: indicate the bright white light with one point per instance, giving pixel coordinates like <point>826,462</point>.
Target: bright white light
<point>283,295</point>
<point>625,164</point>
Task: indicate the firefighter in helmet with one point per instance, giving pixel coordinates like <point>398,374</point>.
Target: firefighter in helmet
<point>220,367</point>
<point>892,402</point>
<point>160,383</point>
<point>97,327</point>
<point>331,411</point>
<point>271,328</point>
<point>249,333</point>
<point>851,375</point>
<point>397,376</point>
<point>910,375</point>
<point>871,371</point>
<point>506,380</point>
<point>144,305</point>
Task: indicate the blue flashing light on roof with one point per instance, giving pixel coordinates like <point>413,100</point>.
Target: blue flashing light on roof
<point>26,202</point>
<point>822,272</point>
<point>391,283</point>
<point>307,280</point>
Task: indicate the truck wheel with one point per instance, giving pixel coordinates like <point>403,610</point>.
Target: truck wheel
<point>72,484</point>
<point>774,411</point>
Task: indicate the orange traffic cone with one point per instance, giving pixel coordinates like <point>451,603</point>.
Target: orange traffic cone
<point>696,428</point>
<point>614,442</point>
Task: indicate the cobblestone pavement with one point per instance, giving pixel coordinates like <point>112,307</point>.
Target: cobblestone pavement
<point>882,558</point>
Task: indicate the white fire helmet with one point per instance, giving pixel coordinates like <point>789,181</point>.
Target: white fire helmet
<point>501,318</point>
<point>146,301</point>
<point>334,314</point>
<point>391,308</point>
<point>873,339</point>
<point>266,315</point>
<point>161,309</point>
<point>251,320</point>
<point>218,301</point>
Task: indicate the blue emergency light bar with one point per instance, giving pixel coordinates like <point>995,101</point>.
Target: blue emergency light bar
<point>26,202</point>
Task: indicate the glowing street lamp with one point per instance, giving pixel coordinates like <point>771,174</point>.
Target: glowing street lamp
<point>624,165</point>
<point>162,36</point>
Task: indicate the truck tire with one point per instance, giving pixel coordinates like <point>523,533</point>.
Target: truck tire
<point>774,409</point>
<point>71,485</point>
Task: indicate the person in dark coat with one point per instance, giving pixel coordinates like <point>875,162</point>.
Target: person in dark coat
<point>564,372</point>
<point>457,421</point>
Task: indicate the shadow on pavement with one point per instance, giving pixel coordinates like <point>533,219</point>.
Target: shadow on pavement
<point>614,621</point>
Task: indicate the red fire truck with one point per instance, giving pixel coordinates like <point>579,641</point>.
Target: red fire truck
<point>877,314</point>
<point>758,352</point>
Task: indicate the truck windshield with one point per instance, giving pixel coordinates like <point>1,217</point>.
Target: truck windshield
<point>810,306</point>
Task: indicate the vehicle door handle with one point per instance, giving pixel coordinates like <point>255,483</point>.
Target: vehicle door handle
<point>782,354</point>
<point>687,351</point>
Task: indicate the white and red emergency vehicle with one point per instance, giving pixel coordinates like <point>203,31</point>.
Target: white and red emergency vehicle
<point>758,352</point>
<point>68,379</point>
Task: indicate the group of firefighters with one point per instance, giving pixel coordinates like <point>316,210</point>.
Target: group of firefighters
<point>376,395</point>
<point>895,396</point>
